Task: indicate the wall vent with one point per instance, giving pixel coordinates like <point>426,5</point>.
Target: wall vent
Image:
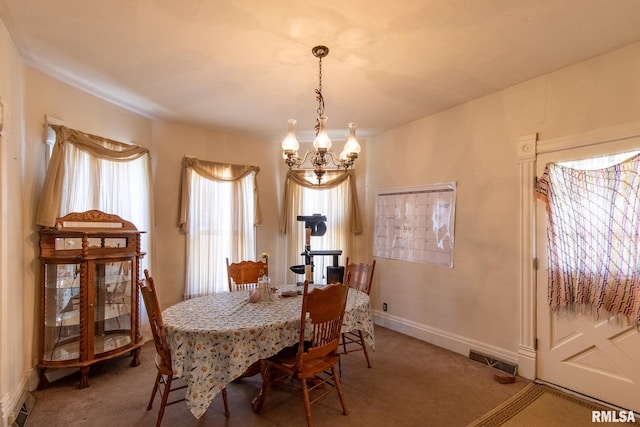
<point>493,362</point>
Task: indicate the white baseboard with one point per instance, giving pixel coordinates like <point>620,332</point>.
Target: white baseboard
<point>527,362</point>
<point>455,343</point>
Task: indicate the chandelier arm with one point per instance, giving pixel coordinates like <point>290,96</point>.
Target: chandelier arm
<point>349,161</point>
<point>334,159</point>
<point>306,156</point>
<point>291,161</point>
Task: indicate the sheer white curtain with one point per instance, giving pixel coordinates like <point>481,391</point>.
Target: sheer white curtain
<point>337,202</point>
<point>116,187</point>
<point>220,211</point>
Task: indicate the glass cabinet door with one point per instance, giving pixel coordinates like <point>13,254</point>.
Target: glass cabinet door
<point>61,312</point>
<point>112,305</point>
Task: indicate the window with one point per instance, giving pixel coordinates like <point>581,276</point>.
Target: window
<point>87,172</point>
<point>336,199</point>
<point>219,214</point>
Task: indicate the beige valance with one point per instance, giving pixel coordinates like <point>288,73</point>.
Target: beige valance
<point>215,172</point>
<point>333,179</point>
<point>102,148</point>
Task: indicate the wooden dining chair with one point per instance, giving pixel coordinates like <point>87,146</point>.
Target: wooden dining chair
<point>313,360</point>
<point>244,275</point>
<point>358,276</point>
<point>165,376</point>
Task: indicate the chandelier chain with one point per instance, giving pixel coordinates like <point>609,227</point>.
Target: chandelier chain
<point>319,96</point>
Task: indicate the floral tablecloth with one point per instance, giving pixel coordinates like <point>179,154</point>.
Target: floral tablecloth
<point>214,338</point>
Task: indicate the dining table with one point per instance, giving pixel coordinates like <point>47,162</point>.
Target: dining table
<point>215,338</point>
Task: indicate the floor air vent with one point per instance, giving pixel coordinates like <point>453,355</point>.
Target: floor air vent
<point>23,412</point>
<point>493,362</point>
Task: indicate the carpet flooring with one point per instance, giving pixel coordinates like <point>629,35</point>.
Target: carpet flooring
<point>410,383</point>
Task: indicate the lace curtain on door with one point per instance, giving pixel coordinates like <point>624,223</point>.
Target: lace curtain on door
<point>593,235</point>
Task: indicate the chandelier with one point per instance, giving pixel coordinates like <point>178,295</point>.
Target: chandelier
<point>321,152</point>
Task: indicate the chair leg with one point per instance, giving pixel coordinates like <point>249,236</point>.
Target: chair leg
<point>226,403</point>
<point>165,396</point>
<point>155,389</point>
<point>339,389</point>
<point>307,403</point>
<point>364,348</point>
<point>344,343</point>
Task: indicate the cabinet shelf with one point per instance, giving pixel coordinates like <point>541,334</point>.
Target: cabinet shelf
<point>111,342</point>
<point>72,318</point>
<point>69,318</point>
<point>64,352</point>
<point>63,285</point>
<point>90,265</point>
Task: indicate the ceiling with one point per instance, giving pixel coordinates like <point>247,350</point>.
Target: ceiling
<point>246,66</point>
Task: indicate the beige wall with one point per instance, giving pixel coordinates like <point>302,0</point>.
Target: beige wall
<point>13,332</point>
<point>476,304</point>
<point>171,144</point>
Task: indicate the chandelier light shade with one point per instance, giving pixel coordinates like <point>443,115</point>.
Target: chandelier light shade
<point>321,153</point>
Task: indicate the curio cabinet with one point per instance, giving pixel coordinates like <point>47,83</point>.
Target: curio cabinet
<point>89,311</point>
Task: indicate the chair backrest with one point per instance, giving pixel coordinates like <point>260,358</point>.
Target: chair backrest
<point>325,310</point>
<point>244,275</point>
<point>361,275</point>
<point>150,296</point>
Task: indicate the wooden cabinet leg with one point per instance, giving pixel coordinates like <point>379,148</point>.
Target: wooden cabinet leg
<point>135,360</point>
<point>44,382</point>
<point>84,379</point>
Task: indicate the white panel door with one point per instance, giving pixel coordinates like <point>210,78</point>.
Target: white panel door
<point>597,358</point>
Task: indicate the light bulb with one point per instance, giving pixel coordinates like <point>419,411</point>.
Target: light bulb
<point>352,145</point>
<point>322,139</point>
<point>290,142</point>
